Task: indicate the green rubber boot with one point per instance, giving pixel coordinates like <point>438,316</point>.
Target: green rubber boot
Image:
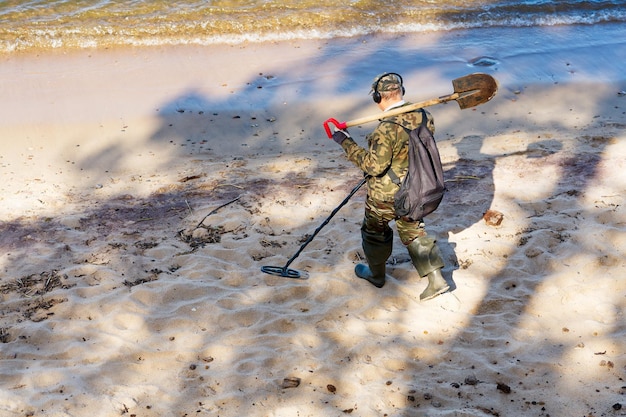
<point>377,248</point>
<point>375,274</point>
<point>428,262</point>
<point>436,285</point>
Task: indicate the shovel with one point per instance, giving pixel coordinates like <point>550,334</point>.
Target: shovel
<point>469,91</point>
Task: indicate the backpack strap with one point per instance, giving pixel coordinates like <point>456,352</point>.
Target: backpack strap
<point>394,178</point>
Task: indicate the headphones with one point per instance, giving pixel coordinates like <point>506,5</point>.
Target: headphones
<point>376,94</point>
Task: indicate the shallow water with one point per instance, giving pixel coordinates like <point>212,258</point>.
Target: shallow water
<point>46,24</point>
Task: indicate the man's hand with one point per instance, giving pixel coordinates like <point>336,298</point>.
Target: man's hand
<point>340,135</point>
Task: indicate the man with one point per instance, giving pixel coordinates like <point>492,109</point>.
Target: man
<point>388,150</point>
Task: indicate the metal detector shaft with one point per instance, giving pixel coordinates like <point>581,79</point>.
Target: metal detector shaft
<point>332,214</point>
<point>284,271</point>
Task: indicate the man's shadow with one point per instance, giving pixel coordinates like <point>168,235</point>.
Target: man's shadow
<point>470,193</point>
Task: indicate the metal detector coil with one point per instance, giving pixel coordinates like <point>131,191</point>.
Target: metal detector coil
<point>282,271</point>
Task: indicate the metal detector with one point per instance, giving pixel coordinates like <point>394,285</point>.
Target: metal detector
<point>285,271</point>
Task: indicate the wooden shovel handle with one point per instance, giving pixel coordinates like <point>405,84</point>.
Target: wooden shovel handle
<point>389,113</point>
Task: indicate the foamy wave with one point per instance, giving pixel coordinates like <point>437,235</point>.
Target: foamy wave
<point>200,34</point>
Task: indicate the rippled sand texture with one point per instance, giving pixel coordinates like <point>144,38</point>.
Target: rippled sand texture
<point>141,199</point>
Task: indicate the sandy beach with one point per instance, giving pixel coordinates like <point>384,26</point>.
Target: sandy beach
<point>143,190</point>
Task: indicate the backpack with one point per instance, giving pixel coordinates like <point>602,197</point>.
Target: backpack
<point>423,187</point>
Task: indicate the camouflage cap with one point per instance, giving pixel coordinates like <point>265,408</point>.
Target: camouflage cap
<point>386,82</point>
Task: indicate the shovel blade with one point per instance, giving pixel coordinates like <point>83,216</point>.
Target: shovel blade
<point>474,89</point>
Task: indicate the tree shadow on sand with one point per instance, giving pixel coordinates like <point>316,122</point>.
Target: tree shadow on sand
<point>257,339</point>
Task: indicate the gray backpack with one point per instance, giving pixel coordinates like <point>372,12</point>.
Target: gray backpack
<point>423,187</point>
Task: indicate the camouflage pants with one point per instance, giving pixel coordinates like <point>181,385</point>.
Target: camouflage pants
<point>379,213</point>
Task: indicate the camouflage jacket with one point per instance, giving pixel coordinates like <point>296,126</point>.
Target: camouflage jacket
<point>387,148</point>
